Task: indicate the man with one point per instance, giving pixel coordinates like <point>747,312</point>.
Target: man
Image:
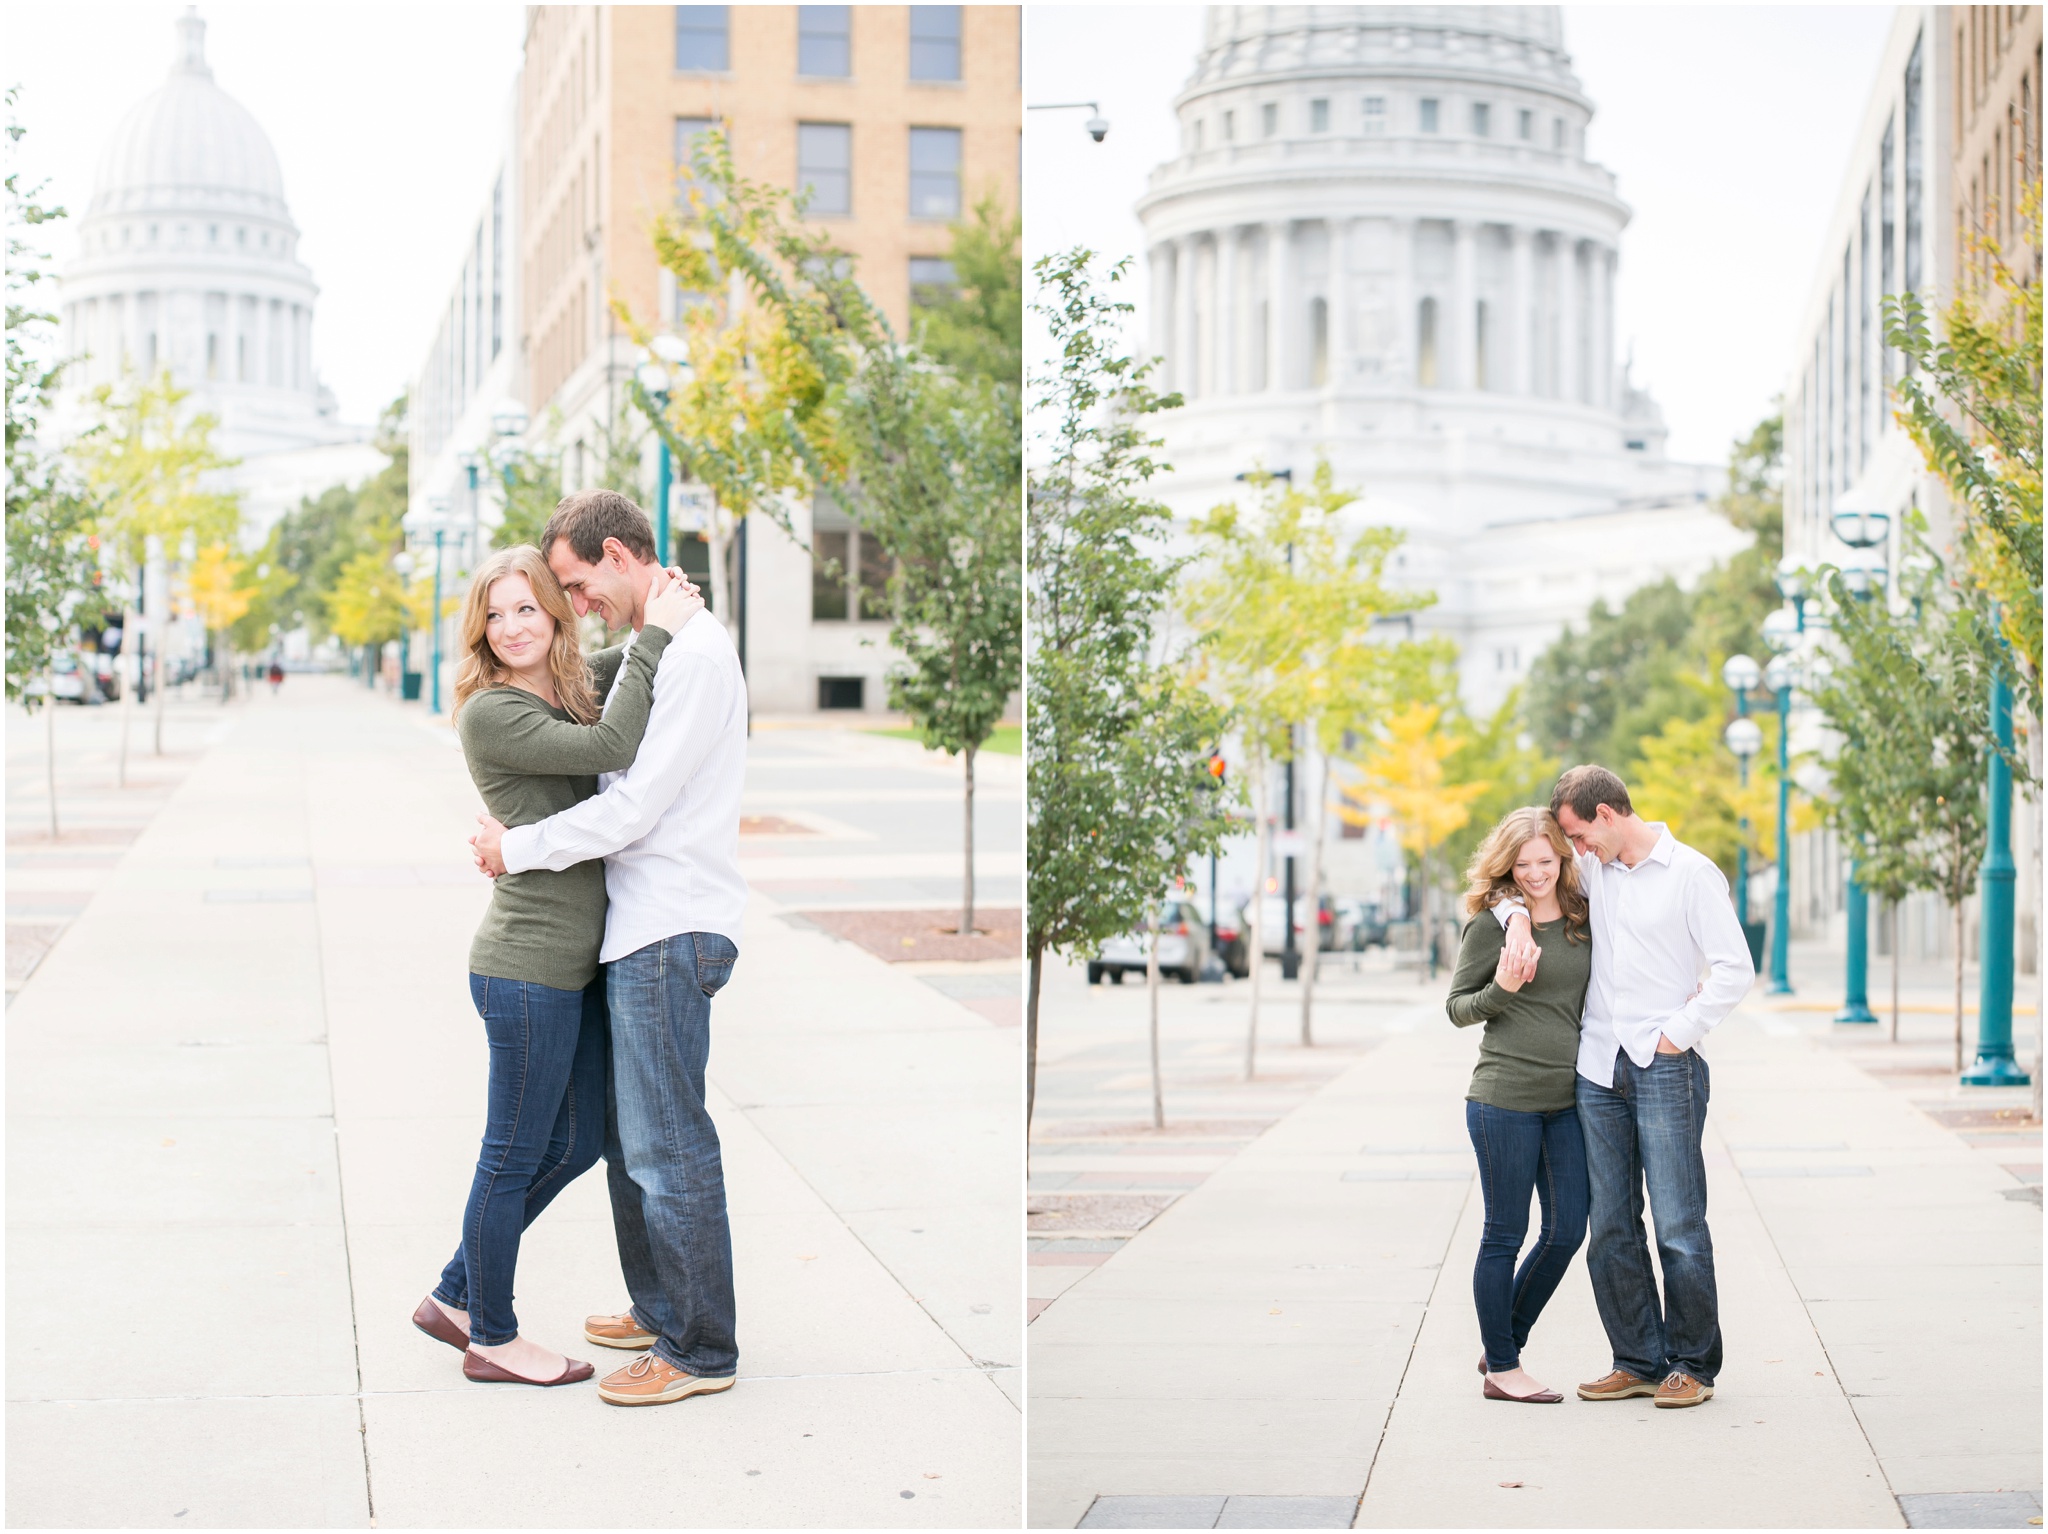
<point>668,831</point>
<point>1660,915</point>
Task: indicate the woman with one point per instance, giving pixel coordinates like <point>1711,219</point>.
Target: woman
<point>531,731</point>
<point>1519,1110</point>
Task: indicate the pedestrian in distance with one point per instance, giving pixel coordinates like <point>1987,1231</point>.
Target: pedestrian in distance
<point>1669,962</point>
<point>526,713</point>
<point>1521,1110</point>
<point>276,678</point>
<point>667,828</point>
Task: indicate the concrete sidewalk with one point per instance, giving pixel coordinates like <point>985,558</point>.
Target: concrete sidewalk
<point>1291,1344</point>
<point>245,1091</point>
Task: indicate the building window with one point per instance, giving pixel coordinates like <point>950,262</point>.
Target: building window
<point>1318,342</point>
<point>1425,345</point>
<point>688,131</point>
<point>850,569</point>
<point>212,355</point>
<point>1913,172</point>
<point>1269,119</point>
<point>1481,341</point>
<point>1319,117</point>
<point>1229,127</point>
<point>701,37</point>
<point>831,595</point>
<point>1482,120</point>
<point>1887,215</point>
<point>1429,114</point>
<point>935,42</point>
<point>1196,136</point>
<point>1557,133</point>
<point>497,267</point>
<point>849,692</point>
<point>932,281</point>
<point>1525,125</point>
<point>1375,114</point>
<point>934,172</point>
<point>824,166</point>
<point>824,41</point>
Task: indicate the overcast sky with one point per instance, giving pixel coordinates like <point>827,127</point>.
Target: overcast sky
<point>1728,128</point>
<point>384,118</point>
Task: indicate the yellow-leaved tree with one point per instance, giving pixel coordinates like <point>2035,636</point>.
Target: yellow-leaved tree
<point>214,587</point>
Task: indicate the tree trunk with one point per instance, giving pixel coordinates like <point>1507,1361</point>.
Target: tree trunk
<point>1425,956</point>
<point>1958,907</point>
<point>720,540</point>
<point>967,873</point>
<point>129,676</point>
<point>50,750</point>
<point>1031,1038</point>
<point>1895,971</point>
<point>1318,805</point>
<point>1262,840</point>
<point>224,658</point>
<point>156,669</point>
<point>1152,1001</point>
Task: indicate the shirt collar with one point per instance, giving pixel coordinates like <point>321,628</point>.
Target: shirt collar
<point>1666,846</point>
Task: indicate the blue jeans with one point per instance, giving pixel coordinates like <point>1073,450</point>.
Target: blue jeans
<point>1646,1129</point>
<point>1521,1153</point>
<point>667,1182</point>
<point>544,1127</point>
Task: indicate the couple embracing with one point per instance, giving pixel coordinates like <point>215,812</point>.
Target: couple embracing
<point>1599,952</point>
<point>613,840</point>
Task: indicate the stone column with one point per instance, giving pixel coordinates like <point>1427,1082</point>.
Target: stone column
<point>1338,302</point>
<point>1161,315</point>
<point>1518,330</point>
<point>1609,260</point>
<point>1187,350</point>
<point>1405,359</point>
<point>1561,317</point>
<point>1457,353</point>
<point>1279,290</point>
<point>1225,327</point>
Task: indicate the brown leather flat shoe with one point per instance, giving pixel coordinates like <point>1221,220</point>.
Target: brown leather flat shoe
<point>479,1368</point>
<point>1493,1392</point>
<point>433,1320</point>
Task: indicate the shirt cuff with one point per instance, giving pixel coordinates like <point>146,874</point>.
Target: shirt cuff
<point>519,849</point>
<point>1504,910</point>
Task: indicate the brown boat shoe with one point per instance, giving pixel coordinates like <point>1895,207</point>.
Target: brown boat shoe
<point>620,1331</point>
<point>651,1380</point>
<point>1681,1389</point>
<point>1616,1386</point>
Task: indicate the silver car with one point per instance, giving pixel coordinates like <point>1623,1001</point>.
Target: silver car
<point>1183,948</point>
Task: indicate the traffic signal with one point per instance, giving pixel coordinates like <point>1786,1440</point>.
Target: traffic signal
<point>1217,767</point>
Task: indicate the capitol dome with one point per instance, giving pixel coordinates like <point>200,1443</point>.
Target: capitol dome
<point>1382,243</point>
<point>190,145</point>
<point>187,263</point>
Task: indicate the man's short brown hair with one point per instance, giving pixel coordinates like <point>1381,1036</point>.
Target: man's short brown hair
<point>1585,789</point>
<point>589,517</point>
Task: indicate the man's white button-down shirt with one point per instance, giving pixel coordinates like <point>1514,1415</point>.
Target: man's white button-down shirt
<point>1657,928</point>
<point>667,827</point>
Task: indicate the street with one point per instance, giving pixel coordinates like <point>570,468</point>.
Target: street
<point>1262,1317</point>
<point>245,1094</point>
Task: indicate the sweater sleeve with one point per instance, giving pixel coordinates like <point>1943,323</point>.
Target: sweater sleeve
<point>527,740</point>
<point>1474,997</point>
<point>603,666</point>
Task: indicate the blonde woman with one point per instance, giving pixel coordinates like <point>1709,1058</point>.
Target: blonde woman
<point>528,718</point>
<point>1520,1109</point>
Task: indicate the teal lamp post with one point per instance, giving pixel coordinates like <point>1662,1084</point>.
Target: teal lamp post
<point>1743,676</point>
<point>668,367</point>
<point>1995,1065</point>
<point>1863,526</point>
<point>1780,676</point>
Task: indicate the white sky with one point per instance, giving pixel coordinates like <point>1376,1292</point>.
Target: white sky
<point>384,118</point>
<point>1728,128</point>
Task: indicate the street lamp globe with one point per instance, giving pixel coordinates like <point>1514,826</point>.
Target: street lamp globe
<point>1792,578</point>
<point>402,562</point>
<point>1741,674</point>
<point>1864,572</point>
<point>508,418</point>
<point>1781,673</point>
<point>1744,738</point>
<point>1860,524</point>
<point>653,377</point>
<point>670,349</point>
<point>1781,629</point>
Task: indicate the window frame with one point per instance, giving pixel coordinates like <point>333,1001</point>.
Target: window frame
<point>957,169</point>
<point>806,171</point>
<point>807,34</point>
<point>956,42</point>
<point>724,33</point>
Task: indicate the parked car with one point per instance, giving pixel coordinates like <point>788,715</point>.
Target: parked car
<point>68,681</point>
<point>1361,924</point>
<point>1183,947</point>
<point>1232,933</point>
<point>1275,914</point>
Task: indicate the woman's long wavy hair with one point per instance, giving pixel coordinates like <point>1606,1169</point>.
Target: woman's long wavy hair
<point>480,668</point>
<point>1491,876</point>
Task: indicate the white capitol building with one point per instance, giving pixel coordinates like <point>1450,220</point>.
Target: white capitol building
<point>187,259</point>
<point>1382,243</point>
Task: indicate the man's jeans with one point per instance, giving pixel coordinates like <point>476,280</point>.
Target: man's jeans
<point>1646,1128</point>
<point>1521,1153</point>
<point>667,1182</point>
<point>544,1127</point>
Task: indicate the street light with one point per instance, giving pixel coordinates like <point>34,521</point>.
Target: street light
<point>1860,524</point>
<point>438,506</point>
<point>1742,676</point>
<point>1781,676</point>
<point>668,367</point>
<point>1863,574</point>
<point>1097,125</point>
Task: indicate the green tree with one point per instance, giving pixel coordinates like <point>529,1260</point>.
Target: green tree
<point>1115,742</point>
<point>52,553</point>
<point>532,489</point>
<point>977,327</point>
<point>271,587</point>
